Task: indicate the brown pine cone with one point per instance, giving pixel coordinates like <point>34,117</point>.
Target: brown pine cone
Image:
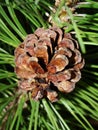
<point>48,61</point>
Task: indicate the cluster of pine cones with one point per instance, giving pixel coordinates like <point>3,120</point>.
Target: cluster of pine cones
<point>47,62</point>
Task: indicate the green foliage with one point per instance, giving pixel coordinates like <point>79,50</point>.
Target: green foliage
<point>77,110</point>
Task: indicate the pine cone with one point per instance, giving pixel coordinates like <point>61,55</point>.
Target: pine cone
<point>47,62</point>
<point>67,2</point>
<point>63,15</point>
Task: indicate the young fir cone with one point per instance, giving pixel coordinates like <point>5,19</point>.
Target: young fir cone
<point>48,61</point>
<point>63,15</point>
